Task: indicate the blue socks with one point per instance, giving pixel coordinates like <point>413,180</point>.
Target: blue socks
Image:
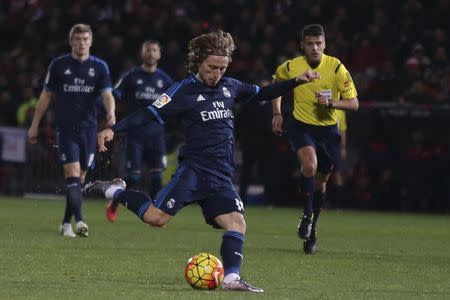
<point>68,213</point>
<point>231,251</point>
<point>74,199</point>
<point>307,190</point>
<point>156,183</point>
<point>136,201</point>
<point>133,179</point>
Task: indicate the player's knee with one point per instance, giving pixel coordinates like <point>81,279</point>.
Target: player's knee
<point>236,222</point>
<point>309,169</point>
<point>156,218</point>
<point>155,221</point>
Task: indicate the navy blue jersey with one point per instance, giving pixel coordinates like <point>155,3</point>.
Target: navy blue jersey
<point>139,89</point>
<point>206,118</point>
<point>76,86</point>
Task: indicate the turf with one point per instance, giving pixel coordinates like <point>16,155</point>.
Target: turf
<point>361,255</point>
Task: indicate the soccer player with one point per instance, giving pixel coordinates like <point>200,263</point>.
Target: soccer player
<point>203,102</point>
<point>313,134</point>
<point>74,81</point>
<point>138,89</point>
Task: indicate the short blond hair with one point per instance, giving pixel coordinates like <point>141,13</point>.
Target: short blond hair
<point>215,43</point>
<point>79,28</point>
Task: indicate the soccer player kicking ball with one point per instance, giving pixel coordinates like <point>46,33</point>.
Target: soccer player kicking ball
<point>203,102</point>
<point>313,133</point>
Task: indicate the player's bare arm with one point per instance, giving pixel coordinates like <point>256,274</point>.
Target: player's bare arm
<point>110,107</point>
<point>277,120</point>
<point>41,107</point>
<point>307,76</point>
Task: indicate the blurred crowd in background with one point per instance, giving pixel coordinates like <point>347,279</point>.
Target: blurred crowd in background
<point>397,52</point>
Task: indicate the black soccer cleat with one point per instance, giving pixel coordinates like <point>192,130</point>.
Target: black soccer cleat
<point>305,227</point>
<point>310,246</point>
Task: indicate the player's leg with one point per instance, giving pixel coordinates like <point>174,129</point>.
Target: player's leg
<point>140,204</point>
<point>155,156</point>
<point>154,212</point>
<point>72,173</point>
<point>301,137</point>
<point>67,150</point>
<point>224,209</point>
<point>133,162</point>
<point>82,155</point>
<point>310,245</point>
<point>308,160</point>
<point>327,154</point>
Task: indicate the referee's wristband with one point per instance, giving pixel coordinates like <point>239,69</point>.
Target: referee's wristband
<point>276,115</point>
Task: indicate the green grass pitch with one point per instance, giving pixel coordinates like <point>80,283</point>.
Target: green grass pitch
<point>362,255</point>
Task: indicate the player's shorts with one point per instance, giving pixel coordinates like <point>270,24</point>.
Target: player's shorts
<point>325,139</point>
<point>150,149</point>
<point>77,145</point>
<point>215,195</point>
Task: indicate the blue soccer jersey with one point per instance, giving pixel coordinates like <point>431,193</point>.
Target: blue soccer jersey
<point>76,86</point>
<point>139,89</point>
<point>206,117</point>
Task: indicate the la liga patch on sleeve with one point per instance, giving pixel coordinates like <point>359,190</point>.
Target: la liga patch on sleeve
<point>162,100</point>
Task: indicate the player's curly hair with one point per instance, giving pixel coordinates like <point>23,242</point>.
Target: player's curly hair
<point>215,43</point>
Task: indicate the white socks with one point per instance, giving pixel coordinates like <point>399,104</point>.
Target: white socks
<point>109,193</point>
<point>231,277</point>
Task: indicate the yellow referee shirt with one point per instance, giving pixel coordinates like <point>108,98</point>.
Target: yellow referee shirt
<point>335,82</point>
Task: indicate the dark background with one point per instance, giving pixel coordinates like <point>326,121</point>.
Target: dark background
<point>396,51</point>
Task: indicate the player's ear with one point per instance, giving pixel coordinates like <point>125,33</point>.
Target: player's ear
<point>302,46</point>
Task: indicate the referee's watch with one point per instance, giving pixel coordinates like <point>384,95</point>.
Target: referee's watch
<point>330,103</point>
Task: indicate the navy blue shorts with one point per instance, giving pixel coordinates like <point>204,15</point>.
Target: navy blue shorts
<point>77,145</point>
<point>151,149</point>
<point>215,195</point>
<point>325,139</point>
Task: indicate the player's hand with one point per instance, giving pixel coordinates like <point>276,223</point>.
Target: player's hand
<point>110,119</point>
<point>323,100</point>
<point>277,124</point>
<point>308,76</point>
<point>104,137</point>
<point>32,135</point>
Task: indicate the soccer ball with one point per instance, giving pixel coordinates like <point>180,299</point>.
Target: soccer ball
<point>204,271</point>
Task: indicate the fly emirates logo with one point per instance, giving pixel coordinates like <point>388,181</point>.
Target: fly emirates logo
<point>78,87</point>
<point>219,112</point>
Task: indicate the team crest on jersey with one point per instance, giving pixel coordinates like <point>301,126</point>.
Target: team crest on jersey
<point>226,92</point>
<point>91,72</point>
<point>170,203</point>
<point>159,83</point>
<point>162,100</point>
